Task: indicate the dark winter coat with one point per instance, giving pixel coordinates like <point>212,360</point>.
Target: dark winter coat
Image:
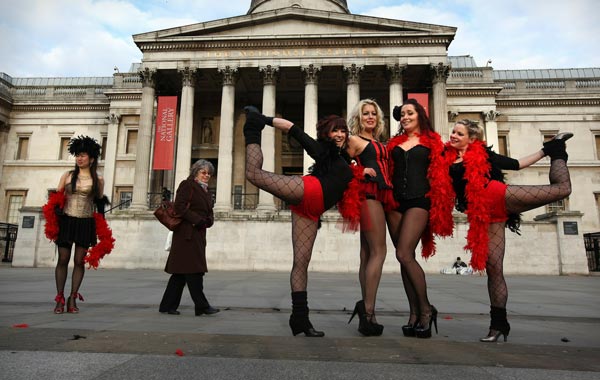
<point>188,248</point>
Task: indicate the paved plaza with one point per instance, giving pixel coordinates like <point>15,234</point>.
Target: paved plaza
<point>119,333</point>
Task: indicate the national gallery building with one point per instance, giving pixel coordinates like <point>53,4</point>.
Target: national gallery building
<point>300,59</point>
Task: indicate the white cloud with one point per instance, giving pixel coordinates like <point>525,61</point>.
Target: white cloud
<point>90,37</point>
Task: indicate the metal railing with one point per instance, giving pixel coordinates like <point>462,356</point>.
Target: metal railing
<point>592,250</point>
<point>8,236</point>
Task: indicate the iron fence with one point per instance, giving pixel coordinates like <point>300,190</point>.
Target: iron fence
<point>592,250</point>
<point>8,236</point>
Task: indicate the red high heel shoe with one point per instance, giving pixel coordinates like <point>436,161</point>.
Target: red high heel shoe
<point>60,303</point>
<point>72,305</point>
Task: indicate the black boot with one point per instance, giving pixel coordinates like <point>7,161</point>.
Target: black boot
<point>556,147</point>
<point>498,326</point>
<point>299,322</point>
<point>255,122</point>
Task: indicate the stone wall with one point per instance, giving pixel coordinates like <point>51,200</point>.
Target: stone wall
<point>248,244</point>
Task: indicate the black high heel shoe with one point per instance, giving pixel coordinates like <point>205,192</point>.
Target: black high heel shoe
<point>494,335</point>
<point>409,329</point>
<point>366,326</point>
<point>303,325</point>
<point>425,332</point>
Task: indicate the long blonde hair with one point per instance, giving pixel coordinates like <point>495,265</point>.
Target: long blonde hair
<point>354,119</point>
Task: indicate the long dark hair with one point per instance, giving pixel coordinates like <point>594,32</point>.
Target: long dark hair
<point>86,144</point>
<point>424,122</point>
<point>94,174</point>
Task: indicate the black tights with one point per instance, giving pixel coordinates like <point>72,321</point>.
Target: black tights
<point>520,199</point>
<point>291,190</point>
<point>406,230</point>
<point>62,267</point>
<point>372,252</point>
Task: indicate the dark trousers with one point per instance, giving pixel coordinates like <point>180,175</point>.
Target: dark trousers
<point>172,296</point>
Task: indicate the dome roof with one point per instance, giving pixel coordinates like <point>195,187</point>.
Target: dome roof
<point>324,5</point>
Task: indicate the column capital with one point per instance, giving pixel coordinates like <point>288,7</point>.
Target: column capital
<point>352,73</point>
<point>269,74</point>
<point>188,76</point>
<point>440,72</point>
<point>148,77</point>
<point>113,118</point>
<point>395,73</point>
<point>490,115</point>
<point>228,75</point>
<point>311,73</point>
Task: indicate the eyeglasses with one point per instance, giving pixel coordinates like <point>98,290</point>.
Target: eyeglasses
<point>204,172</point>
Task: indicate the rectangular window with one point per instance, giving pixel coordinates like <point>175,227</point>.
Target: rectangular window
<point>64,148</point>
<point>597,138</point>
<point>503,145</point>
<point>23,148</point>
<point>131,145</point>
<point>103,153</point>
<point>558,205</point>
<point>124,195</point>
<point>15,202</point>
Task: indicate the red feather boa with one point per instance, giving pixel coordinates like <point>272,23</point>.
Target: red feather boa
<point>441,192</point>
<point>106,242</point>
<point>350,204</point>
<point>55,200</point>
<point>477,169</point>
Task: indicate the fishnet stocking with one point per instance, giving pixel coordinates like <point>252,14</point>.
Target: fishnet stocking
<point>304,233</point>
<point>372,252</point>
<point>288,188</point>
<point>523,198</point>
<point>412,225</point>
<point>78,269</point>
<point>62,268</point>
<point>497,289</point>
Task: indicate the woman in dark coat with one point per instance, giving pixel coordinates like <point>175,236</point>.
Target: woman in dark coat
<point>187,258</point>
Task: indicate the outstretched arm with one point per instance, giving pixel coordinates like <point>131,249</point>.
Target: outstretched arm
<point>530,159</point>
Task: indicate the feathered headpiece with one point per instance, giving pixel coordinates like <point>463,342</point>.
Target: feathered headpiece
<point>85,144</point>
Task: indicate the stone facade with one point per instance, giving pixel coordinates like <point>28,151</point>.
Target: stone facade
<point>301,63</point>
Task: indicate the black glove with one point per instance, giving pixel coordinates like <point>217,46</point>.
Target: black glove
<point>205,222</point>
<point>396,112</point>
<point>101,203</point>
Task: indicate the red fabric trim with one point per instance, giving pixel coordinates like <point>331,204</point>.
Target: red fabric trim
<point>105,244</point>
<point>350,204</point>
<point>441,192</point>
<point>49,210</point>
<point>477,169</point>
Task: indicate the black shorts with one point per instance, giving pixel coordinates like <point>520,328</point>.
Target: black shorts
<point>405,204</point>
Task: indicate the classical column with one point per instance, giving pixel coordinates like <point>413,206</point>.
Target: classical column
<point>224,176</point>
<point>266,202</point>
<point>186,125</point>
<point>439,75</point>
<point>311,106</point>
<point>4,129</point>
<point>144,142</point>
<point>491,129</point>
<point>352,73</point>
<point>395,74</point>
<point>110,156</point>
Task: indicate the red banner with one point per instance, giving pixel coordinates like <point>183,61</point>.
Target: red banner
<point>422,99</point>
<point>166,128</point>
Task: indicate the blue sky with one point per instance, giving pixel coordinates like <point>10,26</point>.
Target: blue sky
<point>43,38</point>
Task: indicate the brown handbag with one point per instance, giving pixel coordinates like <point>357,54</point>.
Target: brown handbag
<point>167,216</point>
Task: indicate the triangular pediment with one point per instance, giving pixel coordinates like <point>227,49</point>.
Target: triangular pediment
<point>295,23</point>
